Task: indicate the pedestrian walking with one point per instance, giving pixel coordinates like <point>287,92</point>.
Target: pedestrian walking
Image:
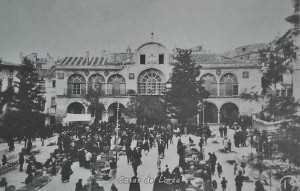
<point>235,168</point>
<point>158,164</point>
<point>214,185</point>
<point>21,161</point>
<point>224,184</point>
<point>239,181</point>
<point>219,169</point>
<point>4,160</point>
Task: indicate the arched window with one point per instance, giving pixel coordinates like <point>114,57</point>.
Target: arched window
<point>97,83</point>
<point>76,85</point>
<point>210,84</point>
<point>229,85</point>
<point>116,85</point>
<point>150,82</point>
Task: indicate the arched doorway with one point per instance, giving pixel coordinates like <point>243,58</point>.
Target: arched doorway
<point>210,113</point>
<point>112,111</point>
<point>76,108</point>
<point>229,113</point>
<point>210,84</point>
<point>116,85</point>
<point>151,82</point>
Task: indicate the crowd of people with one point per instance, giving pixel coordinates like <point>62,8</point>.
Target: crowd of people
<point>85,143</point>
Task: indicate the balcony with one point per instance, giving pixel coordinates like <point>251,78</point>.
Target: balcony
<point>151,88</point>
<point>116,89</point>
<point>106,89</point>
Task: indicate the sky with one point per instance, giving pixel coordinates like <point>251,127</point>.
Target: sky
<point>72,27</point>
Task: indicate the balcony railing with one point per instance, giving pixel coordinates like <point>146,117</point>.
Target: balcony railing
<point>229,90</point>
<point>116,89</point>
<point>105,89</point>
<point>151,88</point>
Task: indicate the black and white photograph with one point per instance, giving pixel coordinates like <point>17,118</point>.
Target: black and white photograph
<point>150,95</point>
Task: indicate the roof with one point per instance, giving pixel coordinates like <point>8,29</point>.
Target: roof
<point>245,50</point>
<point>81,61</point>
<point>9,64</point>
<point>109,59</point>
<point>150,43</point>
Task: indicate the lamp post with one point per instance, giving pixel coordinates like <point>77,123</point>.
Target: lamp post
<point>117,123</point>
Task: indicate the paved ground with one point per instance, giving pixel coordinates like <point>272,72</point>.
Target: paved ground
<point>147,170</point>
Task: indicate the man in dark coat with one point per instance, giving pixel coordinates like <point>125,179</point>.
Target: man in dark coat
<point>239,181</point>
<point>21,161</point>
<point>79,186</point>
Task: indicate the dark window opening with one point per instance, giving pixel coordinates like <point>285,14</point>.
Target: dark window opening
<point>9,82</point>
<point>142,59</point>
<point>161,59</point>
<point>53,83</point>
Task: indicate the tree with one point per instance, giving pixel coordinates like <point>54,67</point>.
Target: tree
<point>95,107</point>
<point>25,107</point>
<point>276,60</point>
<point>187,90</point>
<point>147,109</point>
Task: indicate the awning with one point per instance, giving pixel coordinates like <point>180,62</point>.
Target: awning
<point>77,118</point>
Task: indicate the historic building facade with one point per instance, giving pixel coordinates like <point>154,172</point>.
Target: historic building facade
<point>145,71</point>
<point>118,76</point>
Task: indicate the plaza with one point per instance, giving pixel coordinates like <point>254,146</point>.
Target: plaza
<point>153,117</point>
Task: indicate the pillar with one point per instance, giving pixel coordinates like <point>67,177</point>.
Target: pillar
<point>105,115</point>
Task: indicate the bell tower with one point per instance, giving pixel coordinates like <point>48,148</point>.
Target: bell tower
<point>294,19</point>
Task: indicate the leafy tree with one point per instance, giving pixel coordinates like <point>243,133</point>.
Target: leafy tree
<point>95,107</point>
<point>147,109</point>
<point>25,108</point>
<point>187,90</point>
<point>276,60</point>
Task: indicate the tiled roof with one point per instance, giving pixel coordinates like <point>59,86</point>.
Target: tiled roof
<point>81,61</point>
<point>109,59</point>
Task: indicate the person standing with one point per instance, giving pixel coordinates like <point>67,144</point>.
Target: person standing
<point>225,130</point>
<point>221,130</point>
<point>239,181</point>
<point>219,169</point>
<point>4,160</point>
<point>21,161</point>
<point>113,187</point>
<point>79,186</point>
<point>214,185</point>
<point>224,184</point>
<point>235,168</point>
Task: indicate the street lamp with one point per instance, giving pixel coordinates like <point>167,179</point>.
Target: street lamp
<point>117,123</point>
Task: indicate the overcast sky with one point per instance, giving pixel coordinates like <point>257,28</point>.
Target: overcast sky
<point>71,27</point>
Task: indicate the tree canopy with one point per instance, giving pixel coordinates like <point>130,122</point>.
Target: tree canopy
<point>24,103</point>
<point>148,110</point>
<point>187,90</point>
